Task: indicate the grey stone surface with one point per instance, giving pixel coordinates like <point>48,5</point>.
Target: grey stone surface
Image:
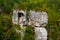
<point>20,20</point>
<point>40,33</point>
<point>39,20</point>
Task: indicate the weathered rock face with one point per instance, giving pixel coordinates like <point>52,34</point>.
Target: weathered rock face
<point>40,33</point>
<point>15,17</point>
<point>38,20</point>
<point>19,17</point>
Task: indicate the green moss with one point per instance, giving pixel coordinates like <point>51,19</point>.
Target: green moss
<point>29,34</point>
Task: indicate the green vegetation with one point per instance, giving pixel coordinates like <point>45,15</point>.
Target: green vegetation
<point>52,7</point>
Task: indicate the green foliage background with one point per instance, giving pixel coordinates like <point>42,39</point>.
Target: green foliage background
<point>52,7</point>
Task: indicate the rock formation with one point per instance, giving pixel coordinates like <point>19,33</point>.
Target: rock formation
<point>38,20</point>
<point>19,18</point>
